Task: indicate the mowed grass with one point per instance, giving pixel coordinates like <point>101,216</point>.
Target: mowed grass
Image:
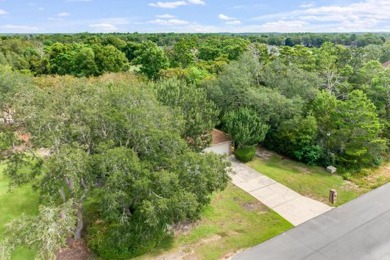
<point>233,221</point>
<point>14,204</point>
<point>310,181</point>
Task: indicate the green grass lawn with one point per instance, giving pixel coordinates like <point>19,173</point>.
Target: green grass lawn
<point>234,220</point>
<point>12,205</point>
<point>310,181</point>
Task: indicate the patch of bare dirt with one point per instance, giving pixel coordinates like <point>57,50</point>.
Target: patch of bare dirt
<point>350,186</point>
<point>76,250</point>
<point>184,228</point>
<point>172,256</point>
<point>263,153</point>
<point>43,152</point>
<point>188,253</point>
<point>254,206</point>
<point>231,254</point>
<point>375,178</point>
<point>385,170</point>
<point>302,169</point>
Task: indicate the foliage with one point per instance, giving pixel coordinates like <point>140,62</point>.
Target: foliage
<point>85,60</point>
<point>356,141</point>
<point>151,58</point>
<point>184,52</point>
<point>318,98</point>
<point>199,113</point>
<point>230,89</point>
<point>47,231</point>
<point>120,143</point>
<point>309,154</point>
<point>296,137</point>
<point>138,204</point>
<point>22,200</point>
<point>245,127</point>
<point>245,154</point>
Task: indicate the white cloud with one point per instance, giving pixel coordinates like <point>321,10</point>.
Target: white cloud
<point>19,28</point>
<point>55,19</point>
<point>235,22</point>
<point>169,5</point>
<point>167,19</point>
<point>199,28</point>
<point>63,14</point>
<point>165,16</point>
<point>176,4</point>
<point>282,25</point>
<point>225,17</point>
<point>116,20</point>
<point>229,20</point>
<point>308,5</point>
<point>197,2</point>
<point>365,15</point>
<point>2,12</point>
<point>104,27</point>
<point>41,9</point>
<point>112,24</point>
<point>78,0</point>
<point>169,22</point>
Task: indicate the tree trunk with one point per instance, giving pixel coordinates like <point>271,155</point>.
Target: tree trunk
<point>80,223</point>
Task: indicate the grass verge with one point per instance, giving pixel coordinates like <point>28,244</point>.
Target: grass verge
<point>315,182</point>
<point>14,204</point>
<point>233,221</point>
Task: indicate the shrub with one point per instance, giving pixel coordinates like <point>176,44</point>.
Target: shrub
<point>309,154</point>
<point>113,241</point>
<point>245,154</point>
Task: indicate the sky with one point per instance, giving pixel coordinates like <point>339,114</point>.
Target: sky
<point>193,16</point>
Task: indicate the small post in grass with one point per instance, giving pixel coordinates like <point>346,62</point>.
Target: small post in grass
<point>332,196</point>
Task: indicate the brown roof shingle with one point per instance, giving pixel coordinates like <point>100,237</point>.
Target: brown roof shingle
<point>386,64</point>
<point>220,137</point>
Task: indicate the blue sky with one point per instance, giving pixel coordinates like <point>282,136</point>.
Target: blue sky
<point>69,16</point>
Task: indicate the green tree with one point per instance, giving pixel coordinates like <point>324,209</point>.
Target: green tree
<point>356,138</point>
<point>297,137</point>
<point>84,63</point>
<point>200,114</point>
<point>184,52</point>
<point>107,142</point>
<point>245,127</point>
<point>61,58</point>
<point>151,58</point>
<point>46,232</point>
<point>109,59</point>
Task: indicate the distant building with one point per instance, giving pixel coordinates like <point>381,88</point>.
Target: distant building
<point>221,143</point>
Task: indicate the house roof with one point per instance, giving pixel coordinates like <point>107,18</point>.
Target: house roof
<point>386,64</point>
<point>356,230</point>
<point>220,137</point>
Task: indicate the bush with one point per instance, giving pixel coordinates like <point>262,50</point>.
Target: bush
<point>245,154</point>
<point>309,154</point>
<point>113,241</point>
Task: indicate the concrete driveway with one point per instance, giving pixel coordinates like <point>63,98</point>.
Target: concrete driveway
<point>292,206</point>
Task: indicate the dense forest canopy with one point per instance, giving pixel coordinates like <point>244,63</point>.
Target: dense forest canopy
<point>87,54</point>
<point>122,120</point>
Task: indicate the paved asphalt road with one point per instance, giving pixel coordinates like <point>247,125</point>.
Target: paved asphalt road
<point>359,229</point>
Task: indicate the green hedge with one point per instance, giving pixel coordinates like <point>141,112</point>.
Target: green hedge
<point>245,154</point>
